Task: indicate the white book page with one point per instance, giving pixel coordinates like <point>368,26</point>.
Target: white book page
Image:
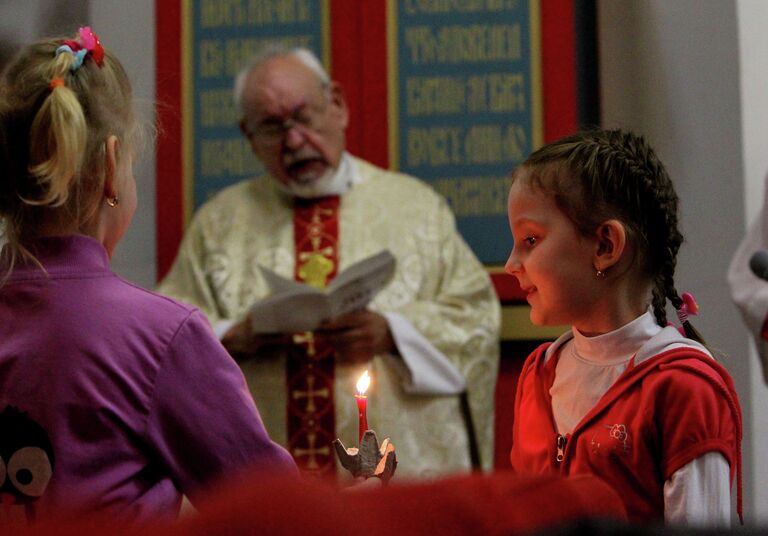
<point>289,312</point>
<point>354,288</point>
<point>293,306</point>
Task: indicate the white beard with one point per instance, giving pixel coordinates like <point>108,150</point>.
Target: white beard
<point>335,181</point>
<point>319,187</point>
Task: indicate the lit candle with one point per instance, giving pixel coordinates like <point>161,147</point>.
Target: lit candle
<point>362,401</point>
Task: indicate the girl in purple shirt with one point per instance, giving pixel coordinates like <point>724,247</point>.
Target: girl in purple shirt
<point>112,398</point>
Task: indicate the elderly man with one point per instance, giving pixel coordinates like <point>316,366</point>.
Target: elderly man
<point>429,338</point>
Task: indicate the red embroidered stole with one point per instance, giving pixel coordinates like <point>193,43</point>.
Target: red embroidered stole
<point>310,366</point>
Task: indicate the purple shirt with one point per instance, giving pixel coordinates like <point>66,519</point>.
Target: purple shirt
<point>139,400</point>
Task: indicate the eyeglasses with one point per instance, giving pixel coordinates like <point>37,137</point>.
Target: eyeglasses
<point>273,131</point>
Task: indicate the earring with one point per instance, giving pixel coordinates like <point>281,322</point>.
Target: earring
<point>112,201</point>
<point>600,274</point>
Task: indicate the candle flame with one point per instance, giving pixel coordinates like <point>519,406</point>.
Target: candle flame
<point>363,383</point>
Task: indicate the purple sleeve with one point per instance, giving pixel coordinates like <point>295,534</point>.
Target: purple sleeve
<point>203,423</point>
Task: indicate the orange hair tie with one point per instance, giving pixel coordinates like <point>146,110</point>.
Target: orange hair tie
<point>56,82</point>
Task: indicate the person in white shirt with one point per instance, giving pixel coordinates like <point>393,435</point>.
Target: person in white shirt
<point>622,395</point>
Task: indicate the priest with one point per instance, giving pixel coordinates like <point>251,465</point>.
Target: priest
<point>429,339</point>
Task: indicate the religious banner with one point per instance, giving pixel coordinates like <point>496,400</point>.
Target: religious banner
<point>454,93</point>
<point>465,105</point>
<point>222,38</point>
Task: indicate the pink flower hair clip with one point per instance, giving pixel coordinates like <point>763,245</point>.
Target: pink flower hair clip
<point>88,43</point>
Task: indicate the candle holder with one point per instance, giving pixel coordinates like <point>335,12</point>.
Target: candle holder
<point>370,460</point>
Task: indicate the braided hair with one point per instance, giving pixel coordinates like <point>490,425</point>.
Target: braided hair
<point>598,175</point>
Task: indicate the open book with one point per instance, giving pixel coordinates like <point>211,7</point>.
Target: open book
<point>294,307</point>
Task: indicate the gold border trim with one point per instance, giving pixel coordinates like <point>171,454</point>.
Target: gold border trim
<point>392,87</point>
<point>187,109</point>
<point>325,35</point>
<point>537,115</point>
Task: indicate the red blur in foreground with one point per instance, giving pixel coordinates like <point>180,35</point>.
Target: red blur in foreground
<point>501,503</point>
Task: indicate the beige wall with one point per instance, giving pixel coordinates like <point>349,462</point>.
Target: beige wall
<point>671,70</point>
<point>128,29</point>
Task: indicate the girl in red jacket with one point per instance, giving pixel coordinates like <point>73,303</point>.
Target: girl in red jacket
<point>594,221</point>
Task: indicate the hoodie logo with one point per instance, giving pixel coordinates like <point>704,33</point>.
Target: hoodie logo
<point>613,439</point>
<point>26,465</point>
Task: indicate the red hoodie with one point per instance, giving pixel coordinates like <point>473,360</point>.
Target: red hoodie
<point>657,417</point>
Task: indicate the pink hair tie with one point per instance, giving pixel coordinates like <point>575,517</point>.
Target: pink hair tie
<point>56,82</point>
<point>688,307</point>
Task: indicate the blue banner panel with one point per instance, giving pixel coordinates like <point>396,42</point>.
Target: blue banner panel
<point>224,36</point>
<point>467,106</point>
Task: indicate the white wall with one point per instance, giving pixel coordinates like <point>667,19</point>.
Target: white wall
<point>670,70</point>
<point>24,21</point>
<point>128,30</point>
<point>752,17</point>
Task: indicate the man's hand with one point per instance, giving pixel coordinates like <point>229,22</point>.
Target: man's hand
<point>358,336</point>
<point>242,343</point>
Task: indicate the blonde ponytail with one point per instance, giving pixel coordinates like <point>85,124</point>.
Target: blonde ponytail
<point>60,130</point>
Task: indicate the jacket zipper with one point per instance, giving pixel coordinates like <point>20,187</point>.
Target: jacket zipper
<point>560,441</point>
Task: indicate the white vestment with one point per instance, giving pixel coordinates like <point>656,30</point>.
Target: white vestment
<point>440,302</point>
<point>749,292</point>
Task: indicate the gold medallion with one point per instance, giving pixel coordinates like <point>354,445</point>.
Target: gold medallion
<point>314,271</point>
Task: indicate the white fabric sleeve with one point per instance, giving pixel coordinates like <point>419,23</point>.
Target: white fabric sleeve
<point>221,327</point>
<point>699,493</point>
<point>424,368</point>
<point>750,293</point>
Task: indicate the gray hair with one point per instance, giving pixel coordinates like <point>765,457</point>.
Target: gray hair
<point>274,50</point>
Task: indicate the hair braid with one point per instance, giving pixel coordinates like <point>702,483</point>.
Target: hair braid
<point>663,259</point>
<point>658,203</point>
